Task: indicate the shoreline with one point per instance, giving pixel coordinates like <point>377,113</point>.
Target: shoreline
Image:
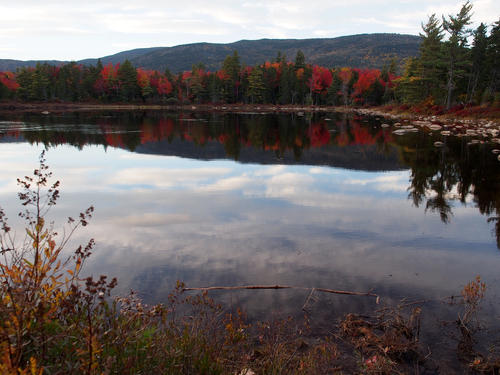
<point>379,111</point>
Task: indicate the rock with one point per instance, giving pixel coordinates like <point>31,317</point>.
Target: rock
<point>399,131</point>
<point>435,127</point>
<point>421,123</point>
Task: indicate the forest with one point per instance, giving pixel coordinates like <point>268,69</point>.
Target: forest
<point>456,67</point>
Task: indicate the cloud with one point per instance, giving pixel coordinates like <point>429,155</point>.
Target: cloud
<point>231,183</point>
<point>65,30</point>
<point>164,177</point>
<point>390,182</point>
<point>148,220</point>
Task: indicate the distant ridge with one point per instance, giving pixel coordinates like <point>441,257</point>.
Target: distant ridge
<point>357,51</point>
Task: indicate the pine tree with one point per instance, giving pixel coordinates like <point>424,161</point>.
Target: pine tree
<point>127,76</point>
<point>455,47</point>
<point>478,75</point>
<point>285,95</point>
<point>493,60</point>
<point>408,89</point>
<point>232,66</point>
<point>300,60</point>
<point>432,72</point>
<point>256,86</point>
<point>332,95</point>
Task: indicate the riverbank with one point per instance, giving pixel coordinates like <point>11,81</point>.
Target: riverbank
<point>229,108</point>
<point>388,111</point>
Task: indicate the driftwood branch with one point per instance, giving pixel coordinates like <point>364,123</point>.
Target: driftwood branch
<point>304,307</point>
<point>324,290</point>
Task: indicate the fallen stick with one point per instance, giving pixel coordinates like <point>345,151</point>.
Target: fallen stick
<point>324,290</point>
<point>308,299</point>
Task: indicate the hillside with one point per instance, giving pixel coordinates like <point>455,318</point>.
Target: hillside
<point>358,51</point>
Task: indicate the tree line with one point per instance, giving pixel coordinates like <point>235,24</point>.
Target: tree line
<point>448,71</point>
<point>276,82</point>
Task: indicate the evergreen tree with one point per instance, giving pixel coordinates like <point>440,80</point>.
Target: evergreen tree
<point>332,94</point>
<point>127,77</point>
<point>493,60</point>
<point>198,83</point>
<point>409,86</point>
<point>478,75</point>
<point>285,93</point>
<point>24,77</point>
<point>300,60</point>
<point>231,67</point>
<point>432,72</point>
<point>256,86</point>
<point>455,48</point>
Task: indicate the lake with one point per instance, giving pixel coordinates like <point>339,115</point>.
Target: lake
<point>325,200</point>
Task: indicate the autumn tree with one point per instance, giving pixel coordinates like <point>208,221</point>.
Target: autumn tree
<point>8,85</point>
<point>409,85</point>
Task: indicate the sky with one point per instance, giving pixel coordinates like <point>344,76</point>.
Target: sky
<point>73,30</point>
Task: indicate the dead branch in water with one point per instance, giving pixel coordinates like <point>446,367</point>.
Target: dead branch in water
<point>324,290</point>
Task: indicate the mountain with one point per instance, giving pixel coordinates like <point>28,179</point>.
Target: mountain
<point>357,51</point>
<point>9,65</point>
<point>122,56</point>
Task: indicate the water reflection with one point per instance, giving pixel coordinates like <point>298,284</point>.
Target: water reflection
<point>282,139</point>
<point>439,177</point>
<point>458,172</point>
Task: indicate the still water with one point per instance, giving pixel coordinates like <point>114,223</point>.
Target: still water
<point>331,201</point>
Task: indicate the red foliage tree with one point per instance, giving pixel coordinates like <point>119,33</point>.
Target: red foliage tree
<point>8,79</point>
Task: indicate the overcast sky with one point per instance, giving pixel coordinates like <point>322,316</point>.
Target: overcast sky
<point>73,30</point>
